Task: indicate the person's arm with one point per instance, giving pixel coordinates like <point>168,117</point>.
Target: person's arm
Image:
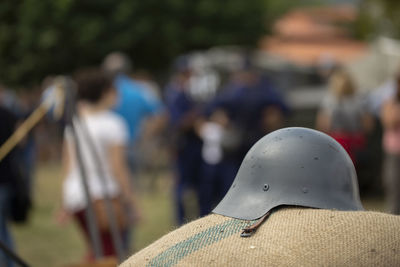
<point>323,121</point>
<point>368,122</point>
<point>272,118</point>
<point>122,175</point>
<point>154,125</point>
<point>390,114</point>
<point>65,159</point>
<point>62,215</point>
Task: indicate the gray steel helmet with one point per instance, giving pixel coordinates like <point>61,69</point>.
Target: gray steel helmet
<point>292,166</point>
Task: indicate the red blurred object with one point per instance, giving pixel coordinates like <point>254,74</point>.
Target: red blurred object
<point>307,36</point>
<point>352,143</point>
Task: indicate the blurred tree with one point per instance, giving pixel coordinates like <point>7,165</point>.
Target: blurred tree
<point>378,17</point>
<point>44,37</point>
<point>38,38</point>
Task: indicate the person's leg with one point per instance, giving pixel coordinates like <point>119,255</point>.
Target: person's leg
<point>228,173</point>
<point>126,224</point>
<point>131,159</point>
<point>5,236</point>
<point>182,181</point>
<point>392,183</point>
<point>206,188</point>
<point>188,171</point>
<point>107,244</point>
<point>127,235</point>
<point>179,191</point>
<point>80,218</point>
<point>133,164</point>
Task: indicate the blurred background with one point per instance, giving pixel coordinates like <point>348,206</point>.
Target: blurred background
<point>219,75</point>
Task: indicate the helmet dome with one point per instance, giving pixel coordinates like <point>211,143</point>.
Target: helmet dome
<point>292,166</point>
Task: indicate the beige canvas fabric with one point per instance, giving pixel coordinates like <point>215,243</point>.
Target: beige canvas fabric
<point>289,237</point>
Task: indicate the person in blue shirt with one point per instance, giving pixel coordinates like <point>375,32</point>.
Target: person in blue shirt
<point>138,107</point>
<point>135,103</point>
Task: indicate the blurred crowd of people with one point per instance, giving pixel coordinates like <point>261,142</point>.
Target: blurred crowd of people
<point>214,125</point>
<point>208,122</point>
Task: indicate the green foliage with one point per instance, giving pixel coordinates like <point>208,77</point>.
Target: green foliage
<point>38,38</point>
<point>378,17</point>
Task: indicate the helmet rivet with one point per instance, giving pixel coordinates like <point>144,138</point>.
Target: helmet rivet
<point>265,187</point>
<point>305,190</point>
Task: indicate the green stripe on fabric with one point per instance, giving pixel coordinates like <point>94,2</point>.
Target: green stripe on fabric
<point>174,254</point>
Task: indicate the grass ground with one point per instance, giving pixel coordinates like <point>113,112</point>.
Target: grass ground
<point>42,242</point>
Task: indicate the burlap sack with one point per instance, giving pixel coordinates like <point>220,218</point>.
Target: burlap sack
<point>289,237</point>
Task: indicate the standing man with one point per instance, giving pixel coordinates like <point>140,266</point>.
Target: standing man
<point>7,175</point>
<point>247,109</point>
<point>135,103</point>
<point>390,117</point>
<point>253,107</point>
<point>136,106</point>
<point>184,110</point>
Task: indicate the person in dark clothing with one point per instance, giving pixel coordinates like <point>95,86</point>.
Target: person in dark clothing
<point>8,123</point>
<point>248,108</point>
<point>183,112</point>
<point>253,106</point>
